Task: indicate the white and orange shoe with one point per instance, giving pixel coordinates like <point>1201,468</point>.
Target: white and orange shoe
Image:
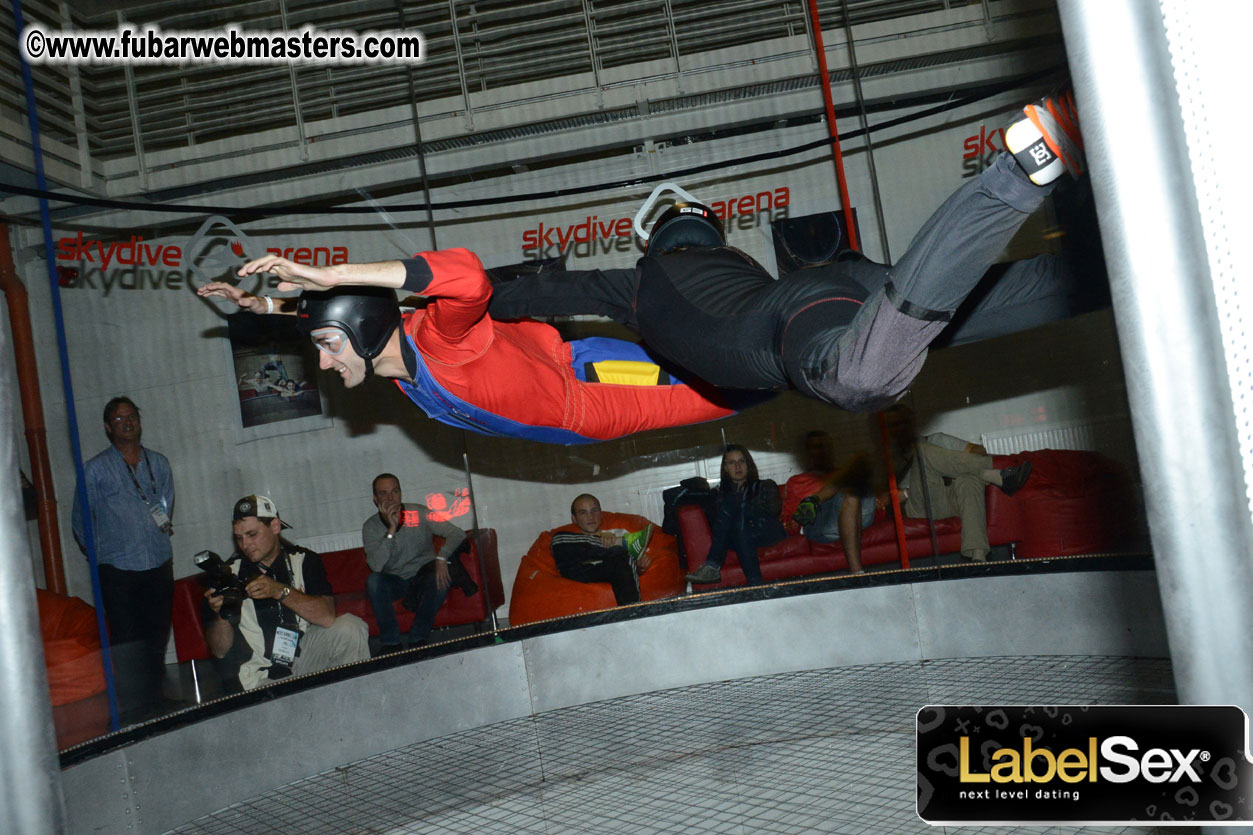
<point>1046,141</point>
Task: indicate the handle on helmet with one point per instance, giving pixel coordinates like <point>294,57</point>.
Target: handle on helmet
<point>206,263</point>
<point>647,208</point>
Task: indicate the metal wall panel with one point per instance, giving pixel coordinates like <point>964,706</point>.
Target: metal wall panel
<point>178,776</point>
<point>725,642</point>
<point>1086,613</point>
<point>158,783</point>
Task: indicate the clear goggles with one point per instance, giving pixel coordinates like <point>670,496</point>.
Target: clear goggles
<point>331,341</point>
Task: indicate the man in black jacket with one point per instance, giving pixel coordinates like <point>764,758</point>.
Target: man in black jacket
<point>592,555</point>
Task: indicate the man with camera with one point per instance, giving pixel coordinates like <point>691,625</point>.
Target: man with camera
<point>285,621</point>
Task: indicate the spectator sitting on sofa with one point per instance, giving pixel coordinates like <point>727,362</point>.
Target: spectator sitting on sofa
<point>286,625</point>
<point>595,556</point>
<point>403,563</point>
<point>747,518</point>
<point>956,472</point>
<point>827,503</point>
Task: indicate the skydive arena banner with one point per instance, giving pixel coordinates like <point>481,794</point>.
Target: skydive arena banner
<point>1099,765</point>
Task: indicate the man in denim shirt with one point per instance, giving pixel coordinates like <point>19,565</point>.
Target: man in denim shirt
<point>130,495</point>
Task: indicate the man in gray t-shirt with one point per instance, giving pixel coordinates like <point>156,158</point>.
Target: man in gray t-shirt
<point>401,555</point>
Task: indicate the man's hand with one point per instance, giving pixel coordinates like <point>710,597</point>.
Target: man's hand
<point>883,501</point>
<point>292,276</point>
<point>222,290</point>
<point>643,562</point>
<point>264,587</point>
<point>218,633</point>
<point>215,601</point>
<point>608,539</point>
<point>443,579</point>
<point>391,515</point>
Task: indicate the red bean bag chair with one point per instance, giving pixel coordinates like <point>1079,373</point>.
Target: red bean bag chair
<point>80,708</point>
<point>71,647</point>
<point>540,592</point>
<point>1075,502</point>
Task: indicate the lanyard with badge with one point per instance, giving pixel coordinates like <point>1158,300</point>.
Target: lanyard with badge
<point>286,640</point>
<point>156,506</point>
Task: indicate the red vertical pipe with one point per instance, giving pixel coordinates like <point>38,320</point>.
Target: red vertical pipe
<point>825,84</point>
<point>32,417</point>
<point>897,517</point>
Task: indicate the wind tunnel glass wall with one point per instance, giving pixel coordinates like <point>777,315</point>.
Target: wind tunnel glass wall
<point>237,405</point>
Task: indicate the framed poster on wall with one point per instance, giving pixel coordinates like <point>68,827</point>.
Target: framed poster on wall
<point>275,377</point>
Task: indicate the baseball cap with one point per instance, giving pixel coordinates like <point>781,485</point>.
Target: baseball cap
<point>259,506</point>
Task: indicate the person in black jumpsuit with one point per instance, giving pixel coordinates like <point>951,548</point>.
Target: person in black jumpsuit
<point>852,332</point>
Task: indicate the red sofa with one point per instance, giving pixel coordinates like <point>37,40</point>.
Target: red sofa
<point>346,571</point>
<point>540,592</point>
<point>1075,502</point>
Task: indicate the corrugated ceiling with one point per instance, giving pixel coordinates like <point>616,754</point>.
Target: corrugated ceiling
<point>474,45</point>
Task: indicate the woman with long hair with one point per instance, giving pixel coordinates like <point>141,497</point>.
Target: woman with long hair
<point>747,518</point>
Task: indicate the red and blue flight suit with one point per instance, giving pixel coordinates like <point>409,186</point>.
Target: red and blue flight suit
<point>519,378</point>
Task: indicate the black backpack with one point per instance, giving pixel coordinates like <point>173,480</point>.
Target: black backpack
<point>695,490</point>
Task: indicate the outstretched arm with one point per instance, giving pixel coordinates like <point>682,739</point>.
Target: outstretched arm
<point>549,292</point>
<point>247,301</point>
<point>293,276</point>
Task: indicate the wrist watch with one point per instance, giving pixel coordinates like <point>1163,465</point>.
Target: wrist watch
<point>283,594</point>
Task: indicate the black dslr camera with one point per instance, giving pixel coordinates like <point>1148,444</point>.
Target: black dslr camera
<point>223,581</point>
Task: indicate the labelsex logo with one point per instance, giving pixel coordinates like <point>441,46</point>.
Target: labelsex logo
<point>1039,765</point>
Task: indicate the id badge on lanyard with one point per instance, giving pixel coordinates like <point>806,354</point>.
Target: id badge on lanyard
<point>161,519</point>
<point>156,506</point>
<point>286,642</point>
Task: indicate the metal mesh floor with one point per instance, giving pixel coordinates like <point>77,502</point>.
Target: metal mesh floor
<point>817,751</point>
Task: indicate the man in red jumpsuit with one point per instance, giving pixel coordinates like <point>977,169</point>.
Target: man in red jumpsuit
<point>854,336</point>
<point>517,379</point>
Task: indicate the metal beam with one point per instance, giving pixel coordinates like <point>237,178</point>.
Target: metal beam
<point>30,776</point>
<point>1168,327</point>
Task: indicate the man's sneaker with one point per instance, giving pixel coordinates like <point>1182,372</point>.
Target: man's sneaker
<point>807,511</point>
<point>707,573</point>
<point>637,543</point>
<point>1013,478</point>
<point>1046,139</point>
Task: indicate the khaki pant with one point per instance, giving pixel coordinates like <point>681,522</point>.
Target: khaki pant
<point>962,495</point>
<point>345,641</point>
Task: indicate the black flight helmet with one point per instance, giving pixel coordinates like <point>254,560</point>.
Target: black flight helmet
<point>367,315</point>
<point>684,225</point>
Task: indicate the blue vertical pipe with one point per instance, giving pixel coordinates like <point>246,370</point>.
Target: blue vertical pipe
<point>67,383</point>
